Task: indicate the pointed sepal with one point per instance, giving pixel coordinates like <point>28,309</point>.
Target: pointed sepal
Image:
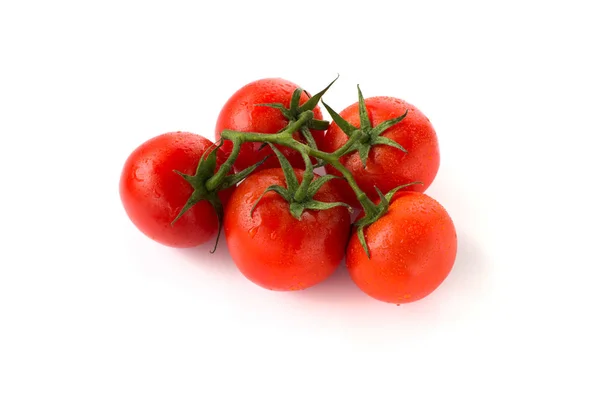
<point>385,125</point>
<point>391,193</point>
<point>286,112</point>
<point>191,201</point>
<point>295,100</point>
<point>288,171</point>
<point>296,209</point>
<point>363,153</point>
<point>365,122</point>
<point>232,180</point>
<point>273,188</point>
<point>340,122</point>
<point>322,205</point>
<point>360,232</point>
<point>382,140</point>
<point>312,102</point>
<point>318,183</point>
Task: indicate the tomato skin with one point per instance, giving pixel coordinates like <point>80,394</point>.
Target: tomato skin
<point>152,194</point>
<point>240,114</point>
<point>273,249</point>
<point>413,248</point>
<point>387,167</point>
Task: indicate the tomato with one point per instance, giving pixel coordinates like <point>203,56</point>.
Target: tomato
<point>153,195</point>
<point>272,248</point>
<point>240,113</point>
<point>413,249</point>
<point>387,167</point>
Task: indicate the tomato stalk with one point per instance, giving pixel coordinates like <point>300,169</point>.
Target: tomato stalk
<point>299,195</point>
<point>239,138</point>
<point>284,138</point>
<point>213,182</point>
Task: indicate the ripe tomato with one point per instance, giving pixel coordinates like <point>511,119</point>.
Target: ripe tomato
<point>240,113</point>
<point>272,248</point>
<point>413,248</point>
<point>387,167</point>
<point>152,194</point>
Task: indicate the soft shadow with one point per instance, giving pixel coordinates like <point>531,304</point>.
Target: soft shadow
<point>338,288</point>
<point>469,275</point>
<point>459,292</point>
<point>201,255</point>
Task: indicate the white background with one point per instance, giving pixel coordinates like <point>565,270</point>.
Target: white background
<point>91,309</point>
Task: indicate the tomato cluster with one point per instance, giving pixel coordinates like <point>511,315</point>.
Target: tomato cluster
<point>287,227</point>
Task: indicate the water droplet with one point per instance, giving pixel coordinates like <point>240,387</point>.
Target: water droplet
<point>273,235</point>
<point>138,175</point>
<point>253,231</point>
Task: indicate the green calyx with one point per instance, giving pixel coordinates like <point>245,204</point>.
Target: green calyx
<point>366,135</point>
<point>380,209</point>
<point>206,169</point>
<point>295,110</point>
<point>300,195</point>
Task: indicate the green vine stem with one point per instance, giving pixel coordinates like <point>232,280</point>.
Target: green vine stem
<point>299,195</point>
<point>213,182</point>
<point>239,138</point>
<point>284,138</point>
<point>306,178</point>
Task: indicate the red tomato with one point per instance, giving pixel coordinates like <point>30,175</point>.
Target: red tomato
<point>273,249</point>
<point>387,167</point>
<point>240,113</point>
<point>153,194</point>
<point>413,248</point>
